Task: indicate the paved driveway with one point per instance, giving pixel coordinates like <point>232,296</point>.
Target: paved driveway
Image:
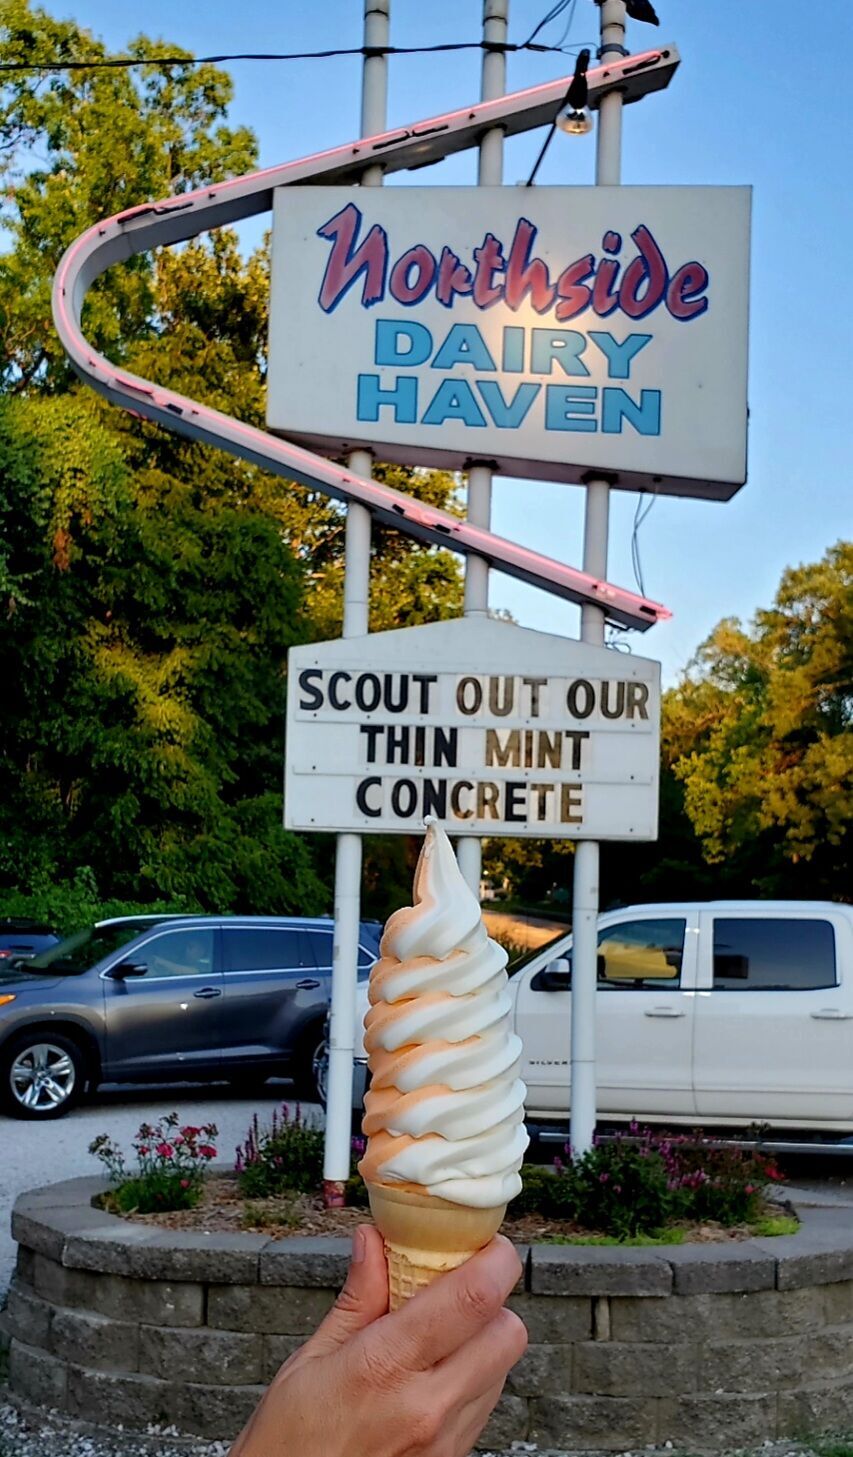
<point>34,1154</point>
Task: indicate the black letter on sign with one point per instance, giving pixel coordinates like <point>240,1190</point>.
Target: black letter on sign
<point>361,798</point>
<point>335,679</point>
<point>371,732</point>
<point>515,812</point>
<point>316,699</point>
<point>579,686</point>
<point>444,751</point>
<point>435,798</point>
<point>404,798</point>
<point>361,683</point>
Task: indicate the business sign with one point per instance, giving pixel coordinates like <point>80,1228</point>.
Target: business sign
<point>556,331</point>
<point>494,729</point>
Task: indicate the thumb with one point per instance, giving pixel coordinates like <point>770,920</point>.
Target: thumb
<point>363,1299</point>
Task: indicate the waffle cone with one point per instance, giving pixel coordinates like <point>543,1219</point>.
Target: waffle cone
<point>425,1236</point>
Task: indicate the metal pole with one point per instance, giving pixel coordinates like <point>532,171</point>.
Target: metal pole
<point>479,506</point>
<point>336,1164</point>
<point>608,173</point>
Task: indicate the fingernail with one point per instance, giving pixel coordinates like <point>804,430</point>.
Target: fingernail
<point>359,1247</point>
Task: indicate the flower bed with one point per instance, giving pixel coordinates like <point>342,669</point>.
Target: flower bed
<point>643,1188</point>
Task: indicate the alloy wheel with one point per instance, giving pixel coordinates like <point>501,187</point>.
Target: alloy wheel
<point>42,1077</point>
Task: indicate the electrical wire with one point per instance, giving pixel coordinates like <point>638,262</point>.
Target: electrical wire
<point>105,63</point>
<point>643,508</point>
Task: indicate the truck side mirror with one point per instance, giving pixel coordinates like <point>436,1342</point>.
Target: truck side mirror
<point>555,977</point>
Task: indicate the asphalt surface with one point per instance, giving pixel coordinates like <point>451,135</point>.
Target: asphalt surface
<point>35,1154</point>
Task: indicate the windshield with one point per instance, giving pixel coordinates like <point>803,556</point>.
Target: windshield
<point>77,953</point>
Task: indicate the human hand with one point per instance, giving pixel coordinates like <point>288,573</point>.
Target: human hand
<point>419,1382</point>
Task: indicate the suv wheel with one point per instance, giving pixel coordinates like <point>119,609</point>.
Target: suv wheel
<point>42,1075</point>
<point>308,1069</point>
<point>320,1070</point>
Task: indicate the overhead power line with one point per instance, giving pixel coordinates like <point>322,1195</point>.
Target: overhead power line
<point>102,63</point>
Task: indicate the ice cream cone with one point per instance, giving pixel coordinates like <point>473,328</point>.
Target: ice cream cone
<point>426,1236</point>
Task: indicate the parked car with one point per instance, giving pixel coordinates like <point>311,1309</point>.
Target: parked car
<point>722,1013</point>
<point>148,998</point>
<point>23,938</point>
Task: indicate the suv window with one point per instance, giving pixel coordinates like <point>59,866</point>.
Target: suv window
<point>641,955</point>
<point>177,953</point>
<point>772,954</point>
<point>276,949</point>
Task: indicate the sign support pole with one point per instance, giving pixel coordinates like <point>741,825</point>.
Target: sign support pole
<point>585,896</point>
<point>348,859</point>
<point>479,505</point>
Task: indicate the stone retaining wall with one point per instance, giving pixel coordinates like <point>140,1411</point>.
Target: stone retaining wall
<point>706,1346</point>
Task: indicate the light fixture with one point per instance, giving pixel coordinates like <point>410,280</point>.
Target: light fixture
<point>576,123</point>
<point>574,116</point>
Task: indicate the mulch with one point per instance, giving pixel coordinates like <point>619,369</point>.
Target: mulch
<point>223,1209</point>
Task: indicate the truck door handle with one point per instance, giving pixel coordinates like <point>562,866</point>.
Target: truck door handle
<point>307,984</point>
<point>205,993</point>
<point>662,1012</point>
<point>831,1014</point>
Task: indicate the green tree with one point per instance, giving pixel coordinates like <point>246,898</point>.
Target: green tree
<point>152,586</point>
<point>761,735</point>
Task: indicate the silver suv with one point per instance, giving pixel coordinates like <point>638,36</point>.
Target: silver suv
<point>168,998</point>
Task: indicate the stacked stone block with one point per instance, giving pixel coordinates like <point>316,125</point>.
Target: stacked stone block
<point>705,1346</point>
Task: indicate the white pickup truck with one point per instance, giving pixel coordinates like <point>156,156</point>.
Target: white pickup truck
<point>722,1013</point>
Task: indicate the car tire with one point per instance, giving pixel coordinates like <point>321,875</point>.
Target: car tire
<point>305,1069</point>
<point>43,1075</point>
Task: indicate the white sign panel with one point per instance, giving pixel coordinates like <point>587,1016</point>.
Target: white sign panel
<point>556,331</point>
<point>494,729</point>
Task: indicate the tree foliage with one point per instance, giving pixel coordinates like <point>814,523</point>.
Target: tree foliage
<point>760,735</point>
<point>152,586</point>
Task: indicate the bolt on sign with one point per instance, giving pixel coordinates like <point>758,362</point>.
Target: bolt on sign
<point>554,330</point>
<point>493,728</point>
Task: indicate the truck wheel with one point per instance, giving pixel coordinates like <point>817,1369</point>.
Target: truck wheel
<point>42,1075</point>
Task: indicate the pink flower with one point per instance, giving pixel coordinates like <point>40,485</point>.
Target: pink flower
<point>185,1183</point>
<point>207,1151</point>
<point>143,1150</point>
<point>190,1132</point>
<point>165,1150</point>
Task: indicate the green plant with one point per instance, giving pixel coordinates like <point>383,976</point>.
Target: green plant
<point>775,1224</point>
<point>284,1215</point>
<point>644,1183</point>
<point>285,1157</point>
<point>170,1166</point>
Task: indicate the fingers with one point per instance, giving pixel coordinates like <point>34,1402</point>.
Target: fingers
<point>484,1362</point>
<point>363,1299</point>
<point>473,1418</point>
<point>453,1310</point>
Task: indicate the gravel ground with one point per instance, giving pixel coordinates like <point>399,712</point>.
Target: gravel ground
<point>31,1155</point>
<point>25,1434</point>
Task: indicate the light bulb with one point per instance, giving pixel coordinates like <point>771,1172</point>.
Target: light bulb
<point>578,123</point>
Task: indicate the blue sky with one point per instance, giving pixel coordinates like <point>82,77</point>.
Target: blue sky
<point>762,98</point>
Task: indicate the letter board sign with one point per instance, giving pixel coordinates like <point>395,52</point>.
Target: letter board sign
<point>493,728</point>
<point>556,331</point>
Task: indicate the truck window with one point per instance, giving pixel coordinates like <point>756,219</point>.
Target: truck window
<point>641,955</point>
<point>773,954</point>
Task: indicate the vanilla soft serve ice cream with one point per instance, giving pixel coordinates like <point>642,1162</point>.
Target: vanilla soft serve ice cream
<point>444,1114</point>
